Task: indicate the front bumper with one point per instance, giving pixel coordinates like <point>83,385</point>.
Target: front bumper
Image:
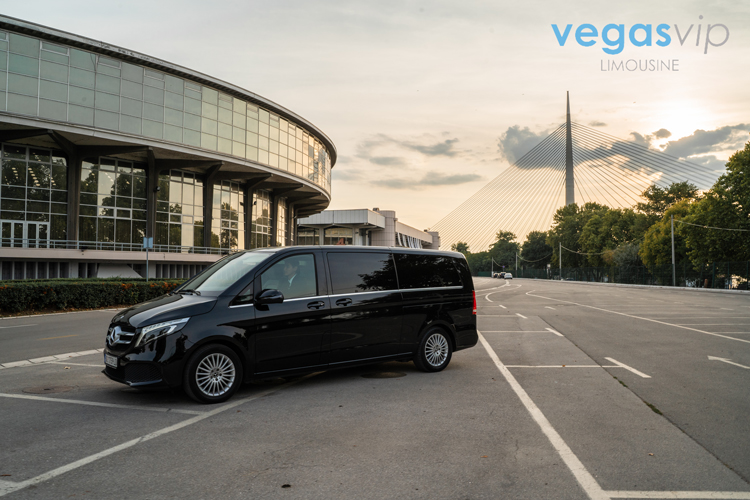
<point>157,364</point>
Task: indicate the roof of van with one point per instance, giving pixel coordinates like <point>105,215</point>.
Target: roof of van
<point>353,248</point>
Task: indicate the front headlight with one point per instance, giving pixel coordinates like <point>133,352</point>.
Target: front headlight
<point>153,332</point>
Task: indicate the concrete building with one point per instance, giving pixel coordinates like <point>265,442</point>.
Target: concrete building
<point>103,147</point>
<point>363,227</point>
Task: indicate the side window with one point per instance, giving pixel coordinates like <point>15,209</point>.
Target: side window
<point>293,276</point>
<point>426,271</point>
<point>361,272</point>
<point>245,297</point>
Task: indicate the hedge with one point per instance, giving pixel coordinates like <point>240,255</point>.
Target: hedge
<point>17,296</point>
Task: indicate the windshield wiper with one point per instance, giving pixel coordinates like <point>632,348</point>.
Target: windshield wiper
<point>196,292</point>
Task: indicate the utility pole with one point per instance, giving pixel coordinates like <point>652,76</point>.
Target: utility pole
<point>516,263</point>
<point>559,259</point>
<point>674,272</point>
<point>492,267</point>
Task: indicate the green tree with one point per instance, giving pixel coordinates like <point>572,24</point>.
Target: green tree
<point>504,250</point>
<point>606,231</point>
<point>725,205</point>
<point>461,246</point>
<point>535,251</point>
<point>656,249</point>
<point>659,199</point>
<point>567,227</point>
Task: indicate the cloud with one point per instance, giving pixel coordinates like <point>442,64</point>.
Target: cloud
<point>711,162</point>
<point>706,141</point>
<point>430,179</point>
<point>516,142</point>
<point>597,124</point>
<point>662,133</point>
<point>388,161</point>
<point>338,174</point>
<point>642,140</point>
<point>366,148</point>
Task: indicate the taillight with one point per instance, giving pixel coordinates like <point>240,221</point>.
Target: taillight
<point>474,294</point>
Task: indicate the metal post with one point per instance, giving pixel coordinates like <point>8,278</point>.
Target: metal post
<point>146,263</point>
<point>674,270</point>
<point>516,263</point>
<point>492,267</point>
<point>559,259</point>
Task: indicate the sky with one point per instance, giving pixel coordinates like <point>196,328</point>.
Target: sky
<point>427,102</point>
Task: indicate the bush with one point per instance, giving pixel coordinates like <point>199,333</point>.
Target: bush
<point>17,296</point>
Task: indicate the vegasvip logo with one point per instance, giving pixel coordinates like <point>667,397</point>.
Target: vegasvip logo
<point>614,38</point>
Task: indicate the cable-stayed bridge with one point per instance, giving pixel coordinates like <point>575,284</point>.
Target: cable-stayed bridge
<point>574,163</point>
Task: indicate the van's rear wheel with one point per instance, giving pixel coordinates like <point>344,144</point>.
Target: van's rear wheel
<point>434,352</point>
<point>213,374</point>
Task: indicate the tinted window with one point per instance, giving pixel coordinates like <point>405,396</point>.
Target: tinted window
<point>361,272</point>
<point>426,271</point>
<point>225,272</point>
<point>294,276</point>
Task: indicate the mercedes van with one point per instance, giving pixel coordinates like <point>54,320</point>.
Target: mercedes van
<point>285,311</point>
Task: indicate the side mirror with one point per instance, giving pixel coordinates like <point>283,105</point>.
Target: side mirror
<point>270,297</point>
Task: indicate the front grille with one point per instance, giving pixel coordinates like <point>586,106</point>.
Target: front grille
<point>138,373</point>
<point>135,373</point>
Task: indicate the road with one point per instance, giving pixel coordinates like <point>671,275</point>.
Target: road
<point>575,391</point>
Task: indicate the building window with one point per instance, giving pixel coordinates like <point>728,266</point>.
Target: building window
<point>281,218</point>
<point>113,202</point>
<point>228,225</point>
<point>308,236</point>
<point>260,228</point>
<point>33,196</point>
<point>338,236</point>
<point>179,210</point>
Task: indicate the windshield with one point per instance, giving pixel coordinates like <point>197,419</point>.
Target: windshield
<point>225,273</point>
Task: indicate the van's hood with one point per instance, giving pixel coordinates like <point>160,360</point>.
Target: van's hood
<point>165,308</point>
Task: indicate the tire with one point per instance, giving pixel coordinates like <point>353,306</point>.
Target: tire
<point>213,374</point>
<point>434,351</point>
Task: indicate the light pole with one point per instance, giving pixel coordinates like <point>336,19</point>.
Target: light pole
<point>559,259</point>
<point>674,272</point>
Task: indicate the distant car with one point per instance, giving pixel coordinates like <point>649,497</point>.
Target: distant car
<point>508,276</point>
<point>496,275</point>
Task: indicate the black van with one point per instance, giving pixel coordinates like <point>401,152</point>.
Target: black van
<point>282,311</point>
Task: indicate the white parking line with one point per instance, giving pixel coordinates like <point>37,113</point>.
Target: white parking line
<point>503,307</point>
<point>18,326</point>
<point>582,475</point>
<point>9,487</point>
<point>555,332</point>
<point>103,405</point>
<point>521,315</point>
<point>640,317</point>
<point>518,331</point>
<point>713,495</point>
<point>548,307</point>
<point>49,359</point>
<point>629,368</point>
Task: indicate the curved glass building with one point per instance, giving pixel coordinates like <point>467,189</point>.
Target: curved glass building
<point>103,147</point>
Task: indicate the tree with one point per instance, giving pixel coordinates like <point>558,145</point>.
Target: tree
<point>659,199</point>
<point>605,232</point>
<point>535,251</point>
<point>567,227</point>
<point>725,205</point>
<point>504,250</point>
<point>461,246</point>
<point>656,249</point>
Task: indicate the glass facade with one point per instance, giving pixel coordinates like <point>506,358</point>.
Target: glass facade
<point>228,219</point>
<point>308,236</point>
<point>33,196</point>
<point>260,223</point>
<point>281,220</point>
<point>113,202</point>
<point>179,210</point>
<point>338,236</point>
<point>66,84</point>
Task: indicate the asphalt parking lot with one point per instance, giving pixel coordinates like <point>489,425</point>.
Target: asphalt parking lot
<point>574,391</point>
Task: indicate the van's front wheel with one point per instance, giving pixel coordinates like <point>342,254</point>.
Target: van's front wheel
<point>434,352</point>
<point>213,374</point>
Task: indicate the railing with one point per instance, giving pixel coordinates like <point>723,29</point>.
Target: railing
<point>110,246</point>
<point>722,275</point>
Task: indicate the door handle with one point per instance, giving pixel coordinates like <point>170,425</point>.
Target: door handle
<point>343,302</point>
<point>316,305</point>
